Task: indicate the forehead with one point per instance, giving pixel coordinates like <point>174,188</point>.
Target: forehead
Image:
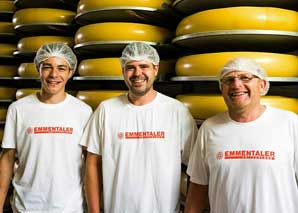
<point>56,61</point>
<point>237,72</point>
<point>136,63</point>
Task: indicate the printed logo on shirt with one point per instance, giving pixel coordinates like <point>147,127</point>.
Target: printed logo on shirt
<point>50,130</point>
<point>144,135</point>
<point>246,154</point>
<point>120,135</point>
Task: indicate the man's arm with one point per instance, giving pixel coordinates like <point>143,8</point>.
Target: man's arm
<point>197,198</point>
<point>7,159</point>
<point>93,182</point>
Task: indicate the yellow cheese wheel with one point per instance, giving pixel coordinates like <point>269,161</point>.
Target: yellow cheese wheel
<point>239,18</point>
<point>3,112</point>
<point>183,184</point>
<point>7,49</point>
<point>209,64</point>
<point>100,67</point>
<point>204,106</point>
<point>32,44</point>
<point>1,134</point>
<point>7,93</point>
<point>94,97</point>
<point>27,70</point>
<point>25,91</point>
<point>116,31</point>
<point>112,67</point>
<point>42,15</point>
<point>7,6</point>
<point>6,28</point>
<point>8,70</point>
<point>90,5</point>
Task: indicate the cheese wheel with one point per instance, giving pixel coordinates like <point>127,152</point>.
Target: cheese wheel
<point>91,5</point>
<point>7,49</point>
<point>7,6</point>
<point>6,28</point>
<point>183,184</point>
<point>20,93</point>
<point>94,97</point>
<point>28,70</point>
<point>100,67</point>
<point>117,31</point>
<point>209,64</point>
<point>32,44</point>
<point>3,112</point>
<point>8,70</point>
<point>204,106</point>
<point>7,93</point>
<point>1,134</point>
<point>43,16</point>
<point>239,18</point>
<point>112,67</point>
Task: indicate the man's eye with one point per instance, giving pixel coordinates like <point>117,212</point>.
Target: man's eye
<point>245,78</point>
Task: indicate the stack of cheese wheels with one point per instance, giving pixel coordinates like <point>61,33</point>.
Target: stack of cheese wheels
<point>3,112</point>
<point>204,106</point>
<point>25,91</point>
<point>209,64</point>
<point>7,93</point>
<point>8,70</point>
<point>94,97</point>
<point>27,70</point>
<point>85,6</point>
<point>6,50</point>
<point>42,16</point>
<point>32,44</point>
<point>112,67</point>
<point>239,18</point>
<point>121,32</point>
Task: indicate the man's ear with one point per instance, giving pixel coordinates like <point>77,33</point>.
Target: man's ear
<point>155,67</point>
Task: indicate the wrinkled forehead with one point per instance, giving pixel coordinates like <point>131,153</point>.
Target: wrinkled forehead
<point>236,73</point>
<point>57,61</point>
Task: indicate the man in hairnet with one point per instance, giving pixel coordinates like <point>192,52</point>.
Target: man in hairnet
<point>43,131</point>
<point>140,140</point>
<point>246,159</point>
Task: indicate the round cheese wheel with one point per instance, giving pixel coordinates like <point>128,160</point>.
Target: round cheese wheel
<point>3,112</point>
<point>6,28</point>
<point>239,18</point>
<point>7,49</point>
<point>1,134</point>
<point>25,91</point>
<point>42,15</point>
<point>7,93</point>
<point>94,97</point>
<point>183,184</point>
<point>28,70</point>
<point>7,6</point>
<point>204,106</point>
<point>209,64</point>
<point>90,5</point>
<point>116,31</point>
<point>32,44</point>
<point>8,70</point>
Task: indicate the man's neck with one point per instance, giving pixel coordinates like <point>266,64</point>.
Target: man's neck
<point>143,99</point>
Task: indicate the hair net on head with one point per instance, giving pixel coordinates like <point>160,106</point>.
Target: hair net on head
<point>139,51</point>
<point>245,65</point>
<point>56,49</point>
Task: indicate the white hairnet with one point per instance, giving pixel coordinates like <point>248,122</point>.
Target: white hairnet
<point>56,49</point>
<point>139,51</point>
<point>245,65</point>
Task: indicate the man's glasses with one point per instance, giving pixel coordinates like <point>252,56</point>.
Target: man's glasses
<point>244,78</point>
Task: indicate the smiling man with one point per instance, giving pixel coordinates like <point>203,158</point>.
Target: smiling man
<point>43,131</point>
<point>245,159</point>
<point>140,140</point>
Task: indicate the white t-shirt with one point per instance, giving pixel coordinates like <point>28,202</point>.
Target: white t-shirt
<point>46,138</point>
<point>142,148</point>
<point>250,167</point>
